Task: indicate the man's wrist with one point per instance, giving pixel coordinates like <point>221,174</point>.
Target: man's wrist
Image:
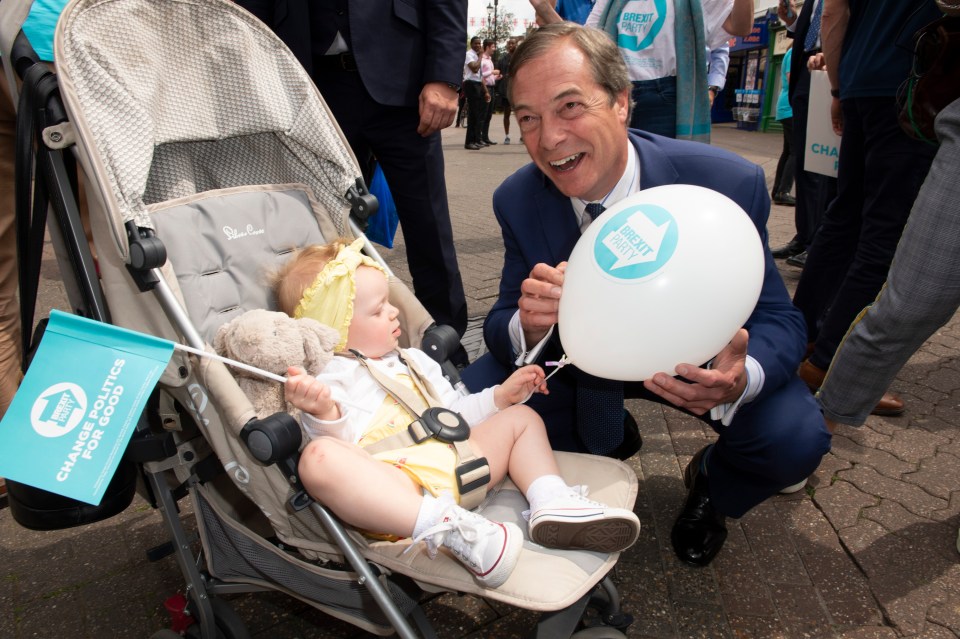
<point>835,93</point>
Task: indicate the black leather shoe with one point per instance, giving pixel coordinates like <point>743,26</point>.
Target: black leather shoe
<point>784,199</point>
<point>471,147</point>
<point>489,142</point>
<point>799,260</point>
<point>794,247</point>
<point>632,442</point>
<point>699,532</point>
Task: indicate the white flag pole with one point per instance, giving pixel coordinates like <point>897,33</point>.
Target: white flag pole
<point>254,370</point>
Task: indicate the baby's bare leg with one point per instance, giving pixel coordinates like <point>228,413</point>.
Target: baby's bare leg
<point>515,441</point>
<point>362,491</point>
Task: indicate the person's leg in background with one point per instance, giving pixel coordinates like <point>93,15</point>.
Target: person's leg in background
<point>922,291</point>
<point>783,182</point>
<point>9,307</point>
<point>506,117</point>
<point>892,168</point>
<point>813,192</point>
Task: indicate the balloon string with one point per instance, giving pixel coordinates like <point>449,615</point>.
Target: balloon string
<point>563,361</point>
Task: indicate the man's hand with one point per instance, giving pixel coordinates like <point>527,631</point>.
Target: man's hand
<point>545,11</point>
<point>723,383</point>
<point>438,107</point>
<point>816,62</point>
<point>310,395</point>
<point>540,300</point>
<point>787,12</point>
<point>519,386</point>
<point>836,116</point>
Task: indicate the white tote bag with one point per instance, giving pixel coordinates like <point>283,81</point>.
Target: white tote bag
<point>823,145</point>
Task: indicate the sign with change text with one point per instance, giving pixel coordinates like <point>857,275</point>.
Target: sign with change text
<point>822,154</point>
<point>78,405</point>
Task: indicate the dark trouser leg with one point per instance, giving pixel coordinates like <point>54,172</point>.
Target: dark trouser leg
<point>475,110</point>
<point>783,181</point>
<point>655,106</point>
<point>881,170</point>
<point>814,191</point>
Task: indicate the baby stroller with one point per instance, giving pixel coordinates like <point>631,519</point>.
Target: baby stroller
<point>208,156</point>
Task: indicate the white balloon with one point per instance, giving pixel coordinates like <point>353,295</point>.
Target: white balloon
<point>664,277</point>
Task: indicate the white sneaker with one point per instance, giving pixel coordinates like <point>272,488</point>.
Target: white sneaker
<point>488,549</point>
<point>506,140</point>
<point>789,490</point>
<point>573,521</point>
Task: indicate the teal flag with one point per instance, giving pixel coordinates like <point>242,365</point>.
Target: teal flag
<point>78,404</point>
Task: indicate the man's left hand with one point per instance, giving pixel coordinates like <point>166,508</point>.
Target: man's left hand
<point>438,107</point>
<point>706,388</point>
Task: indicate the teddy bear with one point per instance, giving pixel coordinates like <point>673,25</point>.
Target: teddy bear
<point>273,341</point>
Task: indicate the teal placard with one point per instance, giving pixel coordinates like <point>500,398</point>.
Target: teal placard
<point>78,404</point>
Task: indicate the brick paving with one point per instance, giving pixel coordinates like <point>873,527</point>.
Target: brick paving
<point>866,551</point>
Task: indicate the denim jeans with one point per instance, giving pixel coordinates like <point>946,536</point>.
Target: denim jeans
<point>655,106</point>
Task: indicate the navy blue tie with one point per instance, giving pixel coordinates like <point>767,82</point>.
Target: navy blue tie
<point>813,33</point>
<point>599,401</point>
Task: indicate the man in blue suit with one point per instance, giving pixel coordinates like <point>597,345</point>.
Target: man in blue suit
<point>570,92</point>
<point>390,70</point>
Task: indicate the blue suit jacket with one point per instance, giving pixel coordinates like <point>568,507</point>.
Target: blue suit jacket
<point>399,45</point>
<point>538,225</point>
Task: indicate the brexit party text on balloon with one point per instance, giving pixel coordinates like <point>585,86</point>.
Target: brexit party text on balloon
<point>661,278</point>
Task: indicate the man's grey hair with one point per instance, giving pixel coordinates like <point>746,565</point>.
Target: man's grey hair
<point>604,59</point>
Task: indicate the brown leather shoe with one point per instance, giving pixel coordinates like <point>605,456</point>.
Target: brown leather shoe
<point>811,375</point>
<point>889,405</point>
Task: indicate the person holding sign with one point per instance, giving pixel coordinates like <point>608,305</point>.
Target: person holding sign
<point>571,94</point>
<point>362,461</point>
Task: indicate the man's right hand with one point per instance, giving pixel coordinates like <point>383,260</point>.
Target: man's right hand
<point>540,300</point>
<point>787,12</point>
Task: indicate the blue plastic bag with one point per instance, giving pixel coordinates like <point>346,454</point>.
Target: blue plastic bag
<point>382,225</point>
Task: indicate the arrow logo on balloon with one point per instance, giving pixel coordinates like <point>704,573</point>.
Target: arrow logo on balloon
<point>637,241</point>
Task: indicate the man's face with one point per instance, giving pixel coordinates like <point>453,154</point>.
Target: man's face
<point>476,45</point>
<point>511,45</point>
<point>488,50</point>
<point>571,131</point>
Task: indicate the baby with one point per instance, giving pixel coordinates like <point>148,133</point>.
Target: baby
<point>365,396</point>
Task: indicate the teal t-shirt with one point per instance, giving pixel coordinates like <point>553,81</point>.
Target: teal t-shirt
<point>40,24</point>
<point>784,110</point>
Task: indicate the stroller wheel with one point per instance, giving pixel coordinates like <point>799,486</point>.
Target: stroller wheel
<point>228,622</point>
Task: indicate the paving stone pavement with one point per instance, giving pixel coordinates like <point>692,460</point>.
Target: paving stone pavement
<point>866,551</point>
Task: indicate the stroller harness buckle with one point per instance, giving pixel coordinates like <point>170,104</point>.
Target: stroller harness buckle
<point>440,423</point>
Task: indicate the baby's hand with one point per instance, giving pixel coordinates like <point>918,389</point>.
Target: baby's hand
<point>310,395</point>
<point>520,386</point>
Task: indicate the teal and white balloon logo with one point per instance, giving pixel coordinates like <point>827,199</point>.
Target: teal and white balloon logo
<point>663,277</point>
<point>636,242</point>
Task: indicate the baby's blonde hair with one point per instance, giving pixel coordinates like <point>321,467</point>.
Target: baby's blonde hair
<point>300,271</point>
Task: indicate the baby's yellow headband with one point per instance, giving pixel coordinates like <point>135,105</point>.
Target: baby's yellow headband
<point>329,300</point>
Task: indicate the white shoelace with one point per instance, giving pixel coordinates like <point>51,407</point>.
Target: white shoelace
<point>469,531</point>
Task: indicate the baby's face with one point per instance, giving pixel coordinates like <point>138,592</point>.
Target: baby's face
<point>374,329</point>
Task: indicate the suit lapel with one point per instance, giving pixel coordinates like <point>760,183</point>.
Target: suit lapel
<point>557,222</point>
<point>656,168</point>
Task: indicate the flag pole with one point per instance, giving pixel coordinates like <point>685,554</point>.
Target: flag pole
<point>254,370</point>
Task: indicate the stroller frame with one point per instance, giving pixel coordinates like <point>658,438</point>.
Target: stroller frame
<point>173,461</point>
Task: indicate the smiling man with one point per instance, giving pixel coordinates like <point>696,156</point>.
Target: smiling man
<point>570,91</point>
